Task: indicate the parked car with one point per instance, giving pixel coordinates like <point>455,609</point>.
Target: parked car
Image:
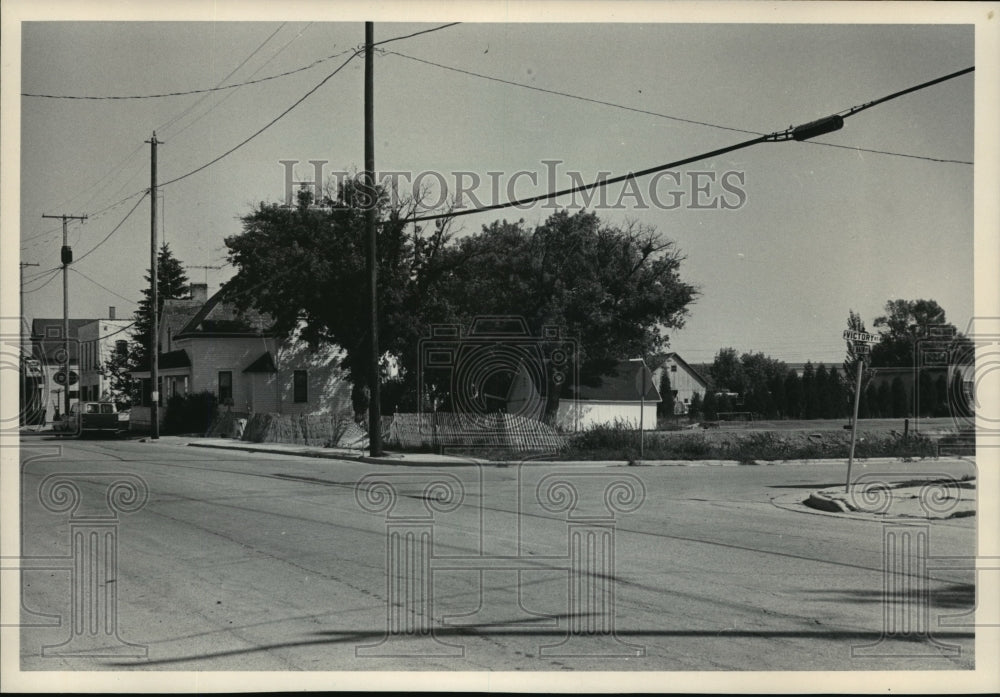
<point>93,417</point>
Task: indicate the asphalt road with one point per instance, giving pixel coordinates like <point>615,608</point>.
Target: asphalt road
<point>241,561</point>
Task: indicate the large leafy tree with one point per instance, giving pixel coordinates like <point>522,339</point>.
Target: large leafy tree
<point>615,289</point>
<point>904,324</point>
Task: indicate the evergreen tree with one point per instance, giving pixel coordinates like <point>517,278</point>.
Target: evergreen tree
<point>710,406</point>
<point>809,402</point>
<point>869,403</point>
<point>793,395</point>
<point>171,283</point>
<point>665,409</point>
<point>836,396</point>
<point>695,408</point>
<point>926,395</point>
<point>821,389</point>
<point>776,385</point>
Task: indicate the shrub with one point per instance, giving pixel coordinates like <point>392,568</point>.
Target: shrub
<point>190,413</point>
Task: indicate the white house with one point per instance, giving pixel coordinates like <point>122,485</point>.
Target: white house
<point>210,347</point>
<point>685,381</point>
<point>625,396</point>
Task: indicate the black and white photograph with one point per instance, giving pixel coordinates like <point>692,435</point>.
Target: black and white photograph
<point>556,346</point>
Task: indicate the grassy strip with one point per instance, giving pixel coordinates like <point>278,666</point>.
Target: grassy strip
<point>616,443</point>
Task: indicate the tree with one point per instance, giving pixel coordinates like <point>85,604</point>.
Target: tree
<point>941,396</point>
<point>710,407</point>
<point>900,400</point>
<point>727,371</point>
<point>615,290</point>
<point>835,396</point>
<point>885,401</point>
<point>665,409</point>
<point>115,369</point>
<point>171,283</point>
<point>904,324</point>
<point>696,406</point>
<point>810,401</point>
<point>793,395</point>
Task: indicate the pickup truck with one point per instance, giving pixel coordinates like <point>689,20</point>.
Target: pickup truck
<point>93,417</point>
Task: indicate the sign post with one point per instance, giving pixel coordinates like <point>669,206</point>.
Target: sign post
<point>862,348</point>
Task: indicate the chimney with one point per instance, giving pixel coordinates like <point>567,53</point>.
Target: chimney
<point>199,292</point>
<point>111,311</point>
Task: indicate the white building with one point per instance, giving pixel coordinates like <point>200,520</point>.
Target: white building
<point>99,340</point>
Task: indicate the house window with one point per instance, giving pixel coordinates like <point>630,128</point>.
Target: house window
<point>673,369</point>
<point>299,386</point>
<point>52,332</point>
<point>121,347</point>
<point>225,386</point>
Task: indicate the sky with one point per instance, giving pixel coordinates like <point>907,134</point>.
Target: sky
<point>811,232</point>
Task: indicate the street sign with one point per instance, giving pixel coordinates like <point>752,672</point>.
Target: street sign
<point>861,348</point>
<point>851,335</point>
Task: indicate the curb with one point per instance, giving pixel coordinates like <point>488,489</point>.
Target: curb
<point>823,503</point>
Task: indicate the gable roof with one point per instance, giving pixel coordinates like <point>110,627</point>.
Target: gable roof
<point>620,385</point>
<point>696,374</point>
<point>219,318</point>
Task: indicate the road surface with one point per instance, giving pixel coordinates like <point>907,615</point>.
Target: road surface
<point>241,561</point>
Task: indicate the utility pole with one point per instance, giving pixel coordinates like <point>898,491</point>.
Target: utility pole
<point>66,256</point>
<point>22,347</point>
<point>374,402</point>
<point>154,359</point>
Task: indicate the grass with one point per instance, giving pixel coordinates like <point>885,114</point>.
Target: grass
<point>748,447</point>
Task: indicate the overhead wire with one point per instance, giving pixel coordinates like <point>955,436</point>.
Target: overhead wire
<point>776,136</point>
<point>232,72</point>
<point>113,231</point>
<point>99,285</point>
<point>671,117</point>
<point>55,274</point>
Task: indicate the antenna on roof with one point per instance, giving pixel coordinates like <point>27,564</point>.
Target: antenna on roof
<point>195,266</point>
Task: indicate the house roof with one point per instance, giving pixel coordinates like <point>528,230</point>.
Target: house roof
<point>263,364</point>
<point>176,313</point>
<point>168,360</point>
<point>620,385</point>
<point>695,373</point>
<point>218,318</point>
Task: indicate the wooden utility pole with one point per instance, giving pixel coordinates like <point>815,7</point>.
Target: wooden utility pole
<point>66,256</point>
<point>154,359</point>
<point>374,402</point>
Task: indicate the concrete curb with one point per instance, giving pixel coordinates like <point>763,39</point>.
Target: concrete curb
<point>823,503</point>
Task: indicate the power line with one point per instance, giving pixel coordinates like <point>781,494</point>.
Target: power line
<point>102,286</point>
<point>108,236</point>
<point>678,118</point>
<point>219,88</point>
<point>268,125</point>
<point>791,133</point>
<point>55,274</point>
<point>416,33</point>
<point>230,94</point>
<point>232,72</point>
